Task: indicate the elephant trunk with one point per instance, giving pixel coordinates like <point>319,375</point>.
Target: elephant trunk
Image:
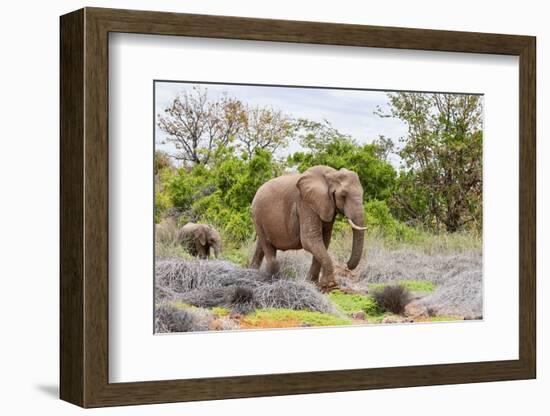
<point>356,221</point>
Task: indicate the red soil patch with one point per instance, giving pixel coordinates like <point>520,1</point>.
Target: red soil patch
<point>269,323</point>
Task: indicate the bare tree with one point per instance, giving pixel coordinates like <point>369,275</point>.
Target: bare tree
<point>384,147</point>
<point>264,128</point>
<point>197,127</point>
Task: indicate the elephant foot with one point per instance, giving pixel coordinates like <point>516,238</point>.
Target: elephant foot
<point>255,266</point>
<point>328,287</point>
<point>313,279</point>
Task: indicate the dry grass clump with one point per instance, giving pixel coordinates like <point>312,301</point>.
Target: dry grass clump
<point>294,264</point>
<point>449,243</point>
<point>164,293</point>
<point>452,263</point>
<point>237,298</point>
<point>392,298</point>
<point>290,294</point>
<point>184,275</point>
<point>166,232</point>
<point>461,295</point>
<point>174,318</point>
<point>169,318</point>
<point>384,265</point>
<point>458,277</point>
<point>219,283</point>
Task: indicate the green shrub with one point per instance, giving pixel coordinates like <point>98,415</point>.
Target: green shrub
<point>162,204</point>
<point>184,187</point>
<point>379,220</point>
<point>219,193</point>
<point>238,256</point>
<point>327,146</point>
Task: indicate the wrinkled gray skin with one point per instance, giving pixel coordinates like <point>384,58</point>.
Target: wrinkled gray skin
<point>197,239</point>
<point>297,211</point>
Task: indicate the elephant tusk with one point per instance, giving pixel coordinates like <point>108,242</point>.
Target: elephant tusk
<point>356,227</point>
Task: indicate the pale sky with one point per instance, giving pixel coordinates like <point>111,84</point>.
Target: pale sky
<point>349,111</point>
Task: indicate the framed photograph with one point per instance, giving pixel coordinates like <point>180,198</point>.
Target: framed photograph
<point>255,207</point>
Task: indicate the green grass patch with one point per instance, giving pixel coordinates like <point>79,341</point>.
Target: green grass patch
<point>180,305</point>
<point>288,272</point>
<point>442,318</point>
<point>238,256</point>
<point>355,302</point>
<point>219,311</point>
<point>273,318</point>
<point>412,285</point>
<point>169,250</point>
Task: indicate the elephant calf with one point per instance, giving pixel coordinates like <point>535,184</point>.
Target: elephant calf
<point>298,211</point>
<point>199,238</point>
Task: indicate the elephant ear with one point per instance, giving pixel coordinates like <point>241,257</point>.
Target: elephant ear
<point>314,191</point>
<point>200,233</point>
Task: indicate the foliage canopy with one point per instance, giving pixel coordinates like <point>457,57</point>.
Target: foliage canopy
<point>440,183</point>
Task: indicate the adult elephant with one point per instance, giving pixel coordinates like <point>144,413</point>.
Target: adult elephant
<point>298,211</point>
<point>199,238</point>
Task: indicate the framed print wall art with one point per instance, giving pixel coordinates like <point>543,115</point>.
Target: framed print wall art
<point>257,207</point>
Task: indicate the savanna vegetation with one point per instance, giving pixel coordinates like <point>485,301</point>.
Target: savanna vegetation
<point>422,202</point>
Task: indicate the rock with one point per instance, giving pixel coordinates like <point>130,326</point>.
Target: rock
<point>395,319</point>
<point>359,315</point>
<point>351,287</point>
<point>416,310</point>
<point>235,315</point>
<point>223,324</point>
<point>342,271</point>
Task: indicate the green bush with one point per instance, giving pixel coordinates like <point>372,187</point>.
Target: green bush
<point>184,187</point>
<point>379,220</point>
<point>219,194</point>
<point>376,175</point>
<point>162,204</point>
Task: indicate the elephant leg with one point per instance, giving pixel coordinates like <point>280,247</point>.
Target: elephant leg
<point>201,251</point>
<point>315,269</point>
<point>258,256</point>
<point>270,252</point>
<point>190,247</point>
<point>193,251</point>
<point>320,253</point>
<point>327,233</point>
